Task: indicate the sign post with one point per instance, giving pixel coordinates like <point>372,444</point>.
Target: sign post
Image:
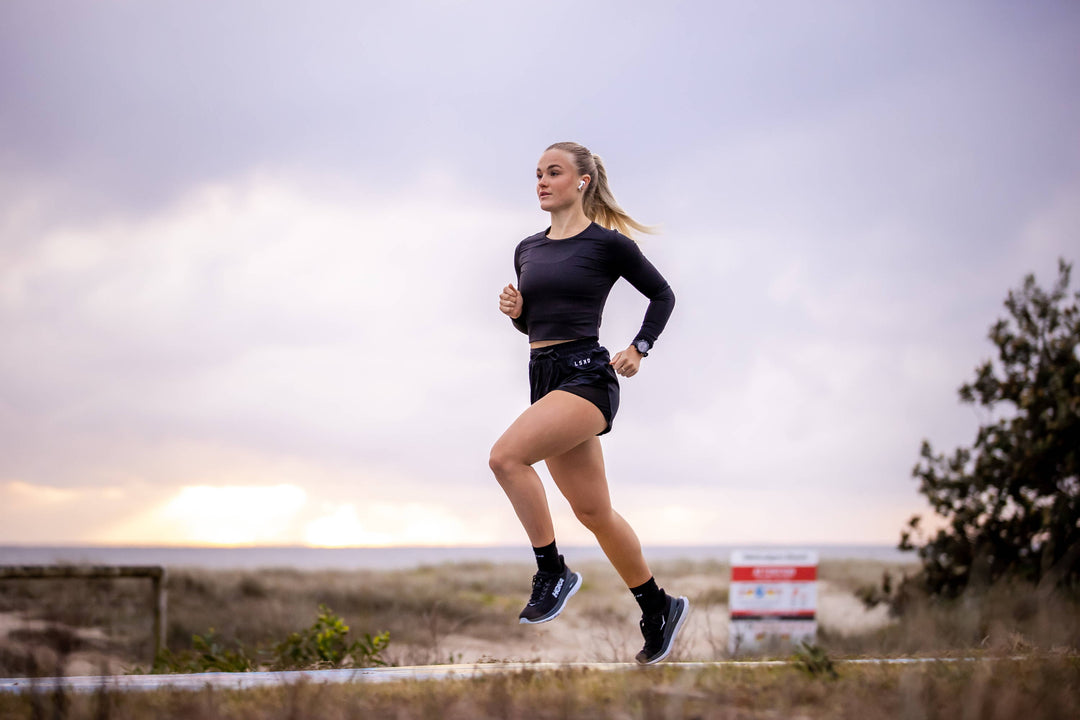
<point>773,599</point>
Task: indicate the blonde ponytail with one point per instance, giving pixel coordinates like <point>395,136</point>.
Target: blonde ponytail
<point>599,202</point>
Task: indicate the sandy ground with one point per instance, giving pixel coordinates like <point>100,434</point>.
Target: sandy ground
<point>89,659</point>
<point>589,630</point>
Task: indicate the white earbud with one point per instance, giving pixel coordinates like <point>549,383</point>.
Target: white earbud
<point>581,185</point>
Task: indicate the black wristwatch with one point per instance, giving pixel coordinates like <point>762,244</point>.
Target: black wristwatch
<point>643,347</point>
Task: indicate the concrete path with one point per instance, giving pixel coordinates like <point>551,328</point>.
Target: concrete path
<point>241,681</point>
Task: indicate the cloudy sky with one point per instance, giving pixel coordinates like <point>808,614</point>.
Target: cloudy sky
<point>250,253</point>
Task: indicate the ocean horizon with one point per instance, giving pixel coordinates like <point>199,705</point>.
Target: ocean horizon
<point>391,558</point>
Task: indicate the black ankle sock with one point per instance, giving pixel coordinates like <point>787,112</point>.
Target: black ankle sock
<point>650,598</point>
<point>547,558</point>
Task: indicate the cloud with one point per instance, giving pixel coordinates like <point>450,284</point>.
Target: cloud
<point>260,249</point>
<point>1053,230</point>
<point>280,331</point>
<point>209,515</point>
<point>35,513</point>
<point>262,308</point>
<point>381,524</point>
<point>24,496</point>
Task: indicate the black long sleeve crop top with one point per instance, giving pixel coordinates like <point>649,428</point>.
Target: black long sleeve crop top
<point>565,283</point>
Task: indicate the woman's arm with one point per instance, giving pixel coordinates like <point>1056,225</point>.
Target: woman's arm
<point>639,272</point>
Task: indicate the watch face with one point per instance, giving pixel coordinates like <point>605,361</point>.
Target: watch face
<point>642,346</point>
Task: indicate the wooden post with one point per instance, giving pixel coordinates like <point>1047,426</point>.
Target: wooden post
<point>155,573</point>
<point>160,612</point>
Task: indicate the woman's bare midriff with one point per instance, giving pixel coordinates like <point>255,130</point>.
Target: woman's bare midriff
<point>548,343</point>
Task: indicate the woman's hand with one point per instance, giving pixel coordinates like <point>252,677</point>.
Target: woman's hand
<point>510,301</point>
<point>626,361</point>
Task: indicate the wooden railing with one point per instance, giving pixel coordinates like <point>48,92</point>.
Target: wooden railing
<point>155,573</point>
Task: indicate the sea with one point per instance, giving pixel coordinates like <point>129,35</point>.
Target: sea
<point>390,558</point>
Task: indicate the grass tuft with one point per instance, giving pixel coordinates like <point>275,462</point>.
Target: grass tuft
<point>1036,688</point>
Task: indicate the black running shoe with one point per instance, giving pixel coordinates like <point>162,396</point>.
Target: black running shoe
<point>550,591</point>
<point>660,630</point>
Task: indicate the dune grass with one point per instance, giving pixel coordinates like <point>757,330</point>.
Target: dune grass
<point>1028,642</point>
<point>1032,688</point>
<point>467,613</point>
<point>436,614</point>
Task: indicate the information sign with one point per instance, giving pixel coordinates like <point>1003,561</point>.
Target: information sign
<point>773,599</point>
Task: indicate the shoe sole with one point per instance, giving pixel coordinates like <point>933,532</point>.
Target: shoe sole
<point>674,633</point>
<point>575,583</point>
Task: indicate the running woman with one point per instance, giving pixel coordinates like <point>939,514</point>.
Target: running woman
<point>564,275</point>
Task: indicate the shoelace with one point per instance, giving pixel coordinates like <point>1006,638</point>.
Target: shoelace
<point>541,586</point>
<point>653,630</point>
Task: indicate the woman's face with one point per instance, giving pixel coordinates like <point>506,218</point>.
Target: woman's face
<point>557,180</point>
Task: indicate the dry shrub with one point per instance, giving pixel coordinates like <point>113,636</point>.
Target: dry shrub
<point>252,608</point>
<point>48,625</point>
<point>451,612</point>
<point>416,606</point>
<point>1009,617</point>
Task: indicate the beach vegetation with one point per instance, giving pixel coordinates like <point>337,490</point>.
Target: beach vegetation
<point>208,653</point>
<point>1035,688</point>
<point>1026,646</point>
<point>1010,504</point>
<point>326,644</point>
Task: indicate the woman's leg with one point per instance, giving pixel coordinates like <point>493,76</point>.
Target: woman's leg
<point>579,475</point>
<point>550,427</point>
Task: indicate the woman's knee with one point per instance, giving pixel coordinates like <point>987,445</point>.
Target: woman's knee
<point>503,462</point>
<point>594,517</point>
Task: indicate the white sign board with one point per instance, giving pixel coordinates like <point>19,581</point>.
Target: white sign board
<point>773,599</point>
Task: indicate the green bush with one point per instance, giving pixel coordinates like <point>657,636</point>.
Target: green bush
<point>325,644</point>
<point>1012,500</point>
<point>208,654</point>
<point>815,662</point>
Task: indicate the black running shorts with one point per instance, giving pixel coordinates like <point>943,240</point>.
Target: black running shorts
<point>580,367</point>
